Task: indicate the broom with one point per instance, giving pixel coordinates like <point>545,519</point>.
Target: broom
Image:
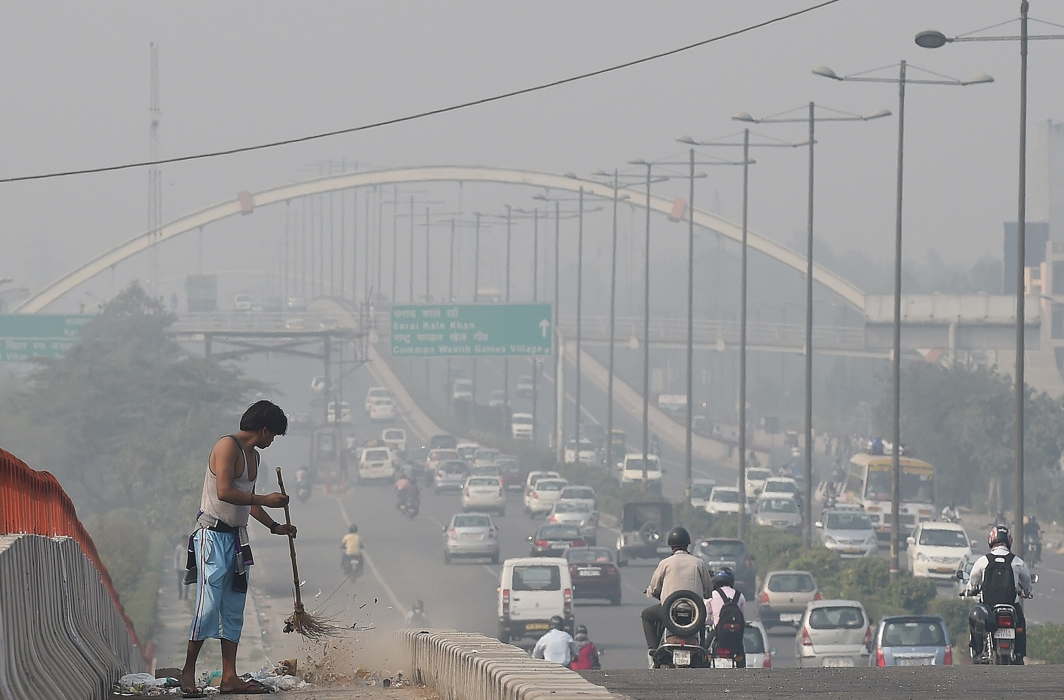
<point>306,624</point>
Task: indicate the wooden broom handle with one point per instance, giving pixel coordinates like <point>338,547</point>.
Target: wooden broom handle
<point>291,544</point>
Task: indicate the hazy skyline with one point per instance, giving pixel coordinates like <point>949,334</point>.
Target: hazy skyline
<point>240,73</point>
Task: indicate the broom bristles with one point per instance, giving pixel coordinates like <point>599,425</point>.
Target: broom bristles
<point>314,628</point>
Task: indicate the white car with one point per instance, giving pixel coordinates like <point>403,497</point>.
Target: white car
<point>700,489</point>
<point>577,513</point>
<point>376,464</point>
<point>243,302</point>
<point>755,480</point>
<point>484,493</point>
<point>632,470</point>
<point>833,634</point>
<point>585,455</point>
<point>521,426</point>
<point>755,644</point>
<point>466,450</point>
<point>345,412</point>
<point>723,499</point>
<point>533,476</point>
<point>531,591</point>
<point>435,457</point>
<point>462,390</point>
<point>542,497</point>
<point>579,494</point>
<point>780,487</point>
<point>937,549</point>
<point>485,457</point>
<point>781,513</point>
<point>394,437</point>
<point>382,409</point>
<point>377,392</point>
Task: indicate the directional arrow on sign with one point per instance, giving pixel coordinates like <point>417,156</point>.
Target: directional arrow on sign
<point>544,326</point>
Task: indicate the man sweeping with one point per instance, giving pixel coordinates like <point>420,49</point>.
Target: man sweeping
<point>219,554</point>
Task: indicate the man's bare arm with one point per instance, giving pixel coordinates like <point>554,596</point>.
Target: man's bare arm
<point>224,459</point>
<point>263,517</point>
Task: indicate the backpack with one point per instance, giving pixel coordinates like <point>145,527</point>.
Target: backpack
<point>730,623</point>
<point>586,658</point>
<point>999,581</point>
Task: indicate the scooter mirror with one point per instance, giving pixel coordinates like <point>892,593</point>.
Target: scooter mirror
<point>1034,578</point>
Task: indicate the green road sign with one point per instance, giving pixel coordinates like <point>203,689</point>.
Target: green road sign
<point>472,330</point>
<point>27,336</point>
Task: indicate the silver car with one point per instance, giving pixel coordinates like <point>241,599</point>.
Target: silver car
<point>848,533</point>
<point>780,513</point>
<point>833,634</point>
<point>578,513</point>
<point>912,640</point>
<point>471,535</point>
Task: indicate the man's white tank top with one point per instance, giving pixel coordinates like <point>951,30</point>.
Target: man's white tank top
<point>228,513</point>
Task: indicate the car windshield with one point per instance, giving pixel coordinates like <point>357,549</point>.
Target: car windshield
<point>791,583</point>
<point>393,435</point>
<point>781,487</point>
<point>847,521</point>
<point>549,485</point>
<point>471,520</point>
<point>701,491</point>
<point>725,495</point>
<point>522,420</point>
<point>377,454</point>
<point>753,640</point>
<point>722,549</point>
<point>482,481</point>
<point>446,441</point>
<point>487,454</point>
<point>454,467</point>
<point>571,507</point>
<point>636,464</point>
<point>913,633</point>
<point>842,617</point>
<point>777,505</point>
<point>559,532</point>
<point>590,555</point>
<point>757,474</point>
<point>584,493</point>
<point>943,538</point>
<point>537,578</point>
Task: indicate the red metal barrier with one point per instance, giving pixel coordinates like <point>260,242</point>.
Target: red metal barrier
<point>33,502</point>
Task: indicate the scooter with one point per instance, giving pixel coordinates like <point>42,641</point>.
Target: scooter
<point>684,642</point>
<point>409,507</point>
<point>351,566</point>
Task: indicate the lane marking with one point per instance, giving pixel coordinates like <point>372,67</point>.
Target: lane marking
<point>373,567</point>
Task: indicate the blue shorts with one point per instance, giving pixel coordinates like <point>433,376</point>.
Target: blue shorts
<point>219,610</point>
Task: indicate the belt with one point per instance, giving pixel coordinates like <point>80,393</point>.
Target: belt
<point>224,527</point>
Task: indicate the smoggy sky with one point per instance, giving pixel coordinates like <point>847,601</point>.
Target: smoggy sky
<point>234,73</point>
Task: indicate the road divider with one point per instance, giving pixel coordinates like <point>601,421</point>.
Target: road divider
<point>469,666</point>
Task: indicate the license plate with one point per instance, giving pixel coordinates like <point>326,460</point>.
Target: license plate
<point>913,662</point>
<point>681,658</point>
<point>791,617</point>
<point>536,626</point>
<point>838,662</point>
<point>1007,633</point>
<point>589,572</point>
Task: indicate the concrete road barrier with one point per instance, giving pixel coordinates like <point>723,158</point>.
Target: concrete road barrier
<point>469,666</point>
<point>60,634</point>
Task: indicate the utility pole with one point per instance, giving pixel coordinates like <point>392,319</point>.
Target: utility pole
<point>155,177</point>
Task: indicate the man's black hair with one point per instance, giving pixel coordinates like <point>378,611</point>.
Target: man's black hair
<point>264,414</point>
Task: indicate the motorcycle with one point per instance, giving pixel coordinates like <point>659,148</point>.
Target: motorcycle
<point>351,566</point>
<point>684,643</point>
<point>999,631</point>
<point>409,506</point>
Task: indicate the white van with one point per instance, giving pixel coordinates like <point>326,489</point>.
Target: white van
<point>531,591</point>
<point>376,463</point>
<point>632,470</point>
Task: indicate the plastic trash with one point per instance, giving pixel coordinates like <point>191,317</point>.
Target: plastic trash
<point>144,684</point>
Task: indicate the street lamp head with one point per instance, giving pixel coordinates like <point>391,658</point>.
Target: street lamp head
<point>638,161</point>
<point>572,176</point>
<point>744,117</point>
<point>981,78</point>
<point>879,115</point>
<point>931,39</point>
<point>687,140</point>
<point>825,72</point>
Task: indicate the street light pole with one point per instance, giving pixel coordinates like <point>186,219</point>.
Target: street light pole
<point>579,314</point>
<point>476,291</point>
<point>688,442</point>
<point>535,298</point>
<point>506,360</point>
<point>613,321</point>
<point>559,368</point>
<point>646,332</point>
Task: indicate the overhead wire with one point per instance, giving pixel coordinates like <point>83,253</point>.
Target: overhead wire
<point>427,113</point>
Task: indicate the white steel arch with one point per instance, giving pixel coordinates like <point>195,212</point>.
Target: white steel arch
<point>437,173</point>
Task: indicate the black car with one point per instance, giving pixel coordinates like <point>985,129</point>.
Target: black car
<point>594,573</point>
<point>443,441</point>
<point>728,552</point>
<point>513,473</point>
<point>644,526</point>
<point>555,540</point>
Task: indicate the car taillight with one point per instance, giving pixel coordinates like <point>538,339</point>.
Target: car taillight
<point>767,663</point>
<point>452,533</point>
<point>568,604</point>
<point>578,543</point>
<point>763,598</point>
<point>868,636</point>
<point>506,601</point>
<point>817,596</point>
<point>609,569</point>
<point>807,641</point>
<point>552,519</point>
<point>881,660</point>
<point>947,657</point>
<point>1004,620</point>
<point>541,543</point>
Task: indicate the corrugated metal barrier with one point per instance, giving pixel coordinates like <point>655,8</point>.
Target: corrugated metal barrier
<point>63,632</point>
<point>467,666</point>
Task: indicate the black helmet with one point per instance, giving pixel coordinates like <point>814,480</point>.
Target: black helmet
<point>679,538</point>
<point>999,535</point>
<point>353,529</point>
<point>724,577</point>
<point>557,622</point>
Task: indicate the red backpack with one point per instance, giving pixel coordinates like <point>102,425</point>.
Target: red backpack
<point>586,658</point>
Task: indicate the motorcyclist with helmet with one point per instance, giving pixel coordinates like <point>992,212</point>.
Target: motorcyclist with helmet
<point>417,617</point>
<point>1017,579</point>
<point>351,544</point>
<point>723,593</point>
<point>1032,539</point>
<point>681,571</point>
<point>557,645</point>
<point>406,491</point>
